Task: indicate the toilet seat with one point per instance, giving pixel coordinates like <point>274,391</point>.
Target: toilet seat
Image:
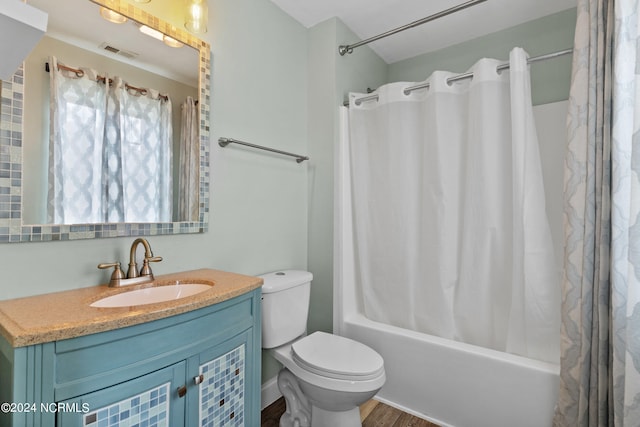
<point>337,357</point>
<point>284,355</point>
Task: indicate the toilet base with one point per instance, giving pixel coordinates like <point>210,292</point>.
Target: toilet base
<point>298,409</point>
<point>324,418</point>
<point>301,412</point>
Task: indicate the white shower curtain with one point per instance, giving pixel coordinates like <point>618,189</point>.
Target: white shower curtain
<point>451,235</point>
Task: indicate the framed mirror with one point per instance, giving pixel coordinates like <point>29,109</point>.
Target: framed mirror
<point>141,60</point>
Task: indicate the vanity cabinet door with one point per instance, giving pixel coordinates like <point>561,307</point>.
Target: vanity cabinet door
<point>225,381</point>
<point>151,400</point>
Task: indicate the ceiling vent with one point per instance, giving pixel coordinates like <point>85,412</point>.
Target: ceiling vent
<point>121,52</point>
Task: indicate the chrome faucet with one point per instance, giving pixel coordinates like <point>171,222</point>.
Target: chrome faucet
<point>133,277</point>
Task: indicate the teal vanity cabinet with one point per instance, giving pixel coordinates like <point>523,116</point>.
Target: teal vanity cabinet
<point>200,368</point>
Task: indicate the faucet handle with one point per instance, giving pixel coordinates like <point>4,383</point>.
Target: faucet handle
<point>146,270</point>
<point>117,272</point>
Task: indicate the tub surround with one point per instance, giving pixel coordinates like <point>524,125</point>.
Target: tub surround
<point>62,315</point>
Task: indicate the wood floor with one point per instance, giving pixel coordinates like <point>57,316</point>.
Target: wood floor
<point>372,414</point>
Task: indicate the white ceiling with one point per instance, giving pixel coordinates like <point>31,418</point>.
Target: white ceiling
<point>368,18</point>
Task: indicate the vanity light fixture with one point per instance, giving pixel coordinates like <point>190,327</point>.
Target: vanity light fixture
<point>196,15</point>
<point>112,16</point>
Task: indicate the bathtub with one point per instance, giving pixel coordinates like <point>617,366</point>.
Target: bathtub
<point>446,382</point>
<point>456,384</point>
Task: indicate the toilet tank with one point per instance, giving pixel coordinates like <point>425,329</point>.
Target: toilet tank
<point>285,306</point>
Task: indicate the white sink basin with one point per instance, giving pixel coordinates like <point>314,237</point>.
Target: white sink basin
<point>152,295</point>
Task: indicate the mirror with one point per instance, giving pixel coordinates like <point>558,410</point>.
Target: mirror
<point>24,131</point>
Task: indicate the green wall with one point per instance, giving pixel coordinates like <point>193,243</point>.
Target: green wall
<point>327,80</point>
<point>330,77</point>
<point>549,79</point>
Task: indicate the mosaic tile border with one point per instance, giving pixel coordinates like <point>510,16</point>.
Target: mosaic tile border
<point>150,408</point>
<point>222,390</point>
<point>11,113</point>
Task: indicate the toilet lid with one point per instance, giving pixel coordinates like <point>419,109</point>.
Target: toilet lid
<point>337,357</point>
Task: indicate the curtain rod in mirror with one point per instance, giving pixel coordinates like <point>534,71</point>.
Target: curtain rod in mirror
<point>80,73</point>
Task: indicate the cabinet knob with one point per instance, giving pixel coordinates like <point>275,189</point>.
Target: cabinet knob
<point>182,391</point>
<point>199,379</point>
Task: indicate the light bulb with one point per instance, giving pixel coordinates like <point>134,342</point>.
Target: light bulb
<point>112,16</point>
<point>196,14</point>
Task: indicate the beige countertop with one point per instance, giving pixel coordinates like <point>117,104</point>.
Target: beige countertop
<point>61,315</point>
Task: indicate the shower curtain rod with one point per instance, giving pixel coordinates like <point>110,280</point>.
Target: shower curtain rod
<point>465,76</point>
<point>344,49</point>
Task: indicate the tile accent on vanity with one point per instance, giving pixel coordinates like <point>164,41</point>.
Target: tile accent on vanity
<point>222,391</point>
<point>150,408</point>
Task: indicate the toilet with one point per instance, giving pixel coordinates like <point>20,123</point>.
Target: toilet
<point>325,377</point>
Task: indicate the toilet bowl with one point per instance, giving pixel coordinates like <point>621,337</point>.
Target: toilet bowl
<point>325,377</point>
<point>335,375</point>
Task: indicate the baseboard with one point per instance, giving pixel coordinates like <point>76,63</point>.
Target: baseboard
<point>270,392</point>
